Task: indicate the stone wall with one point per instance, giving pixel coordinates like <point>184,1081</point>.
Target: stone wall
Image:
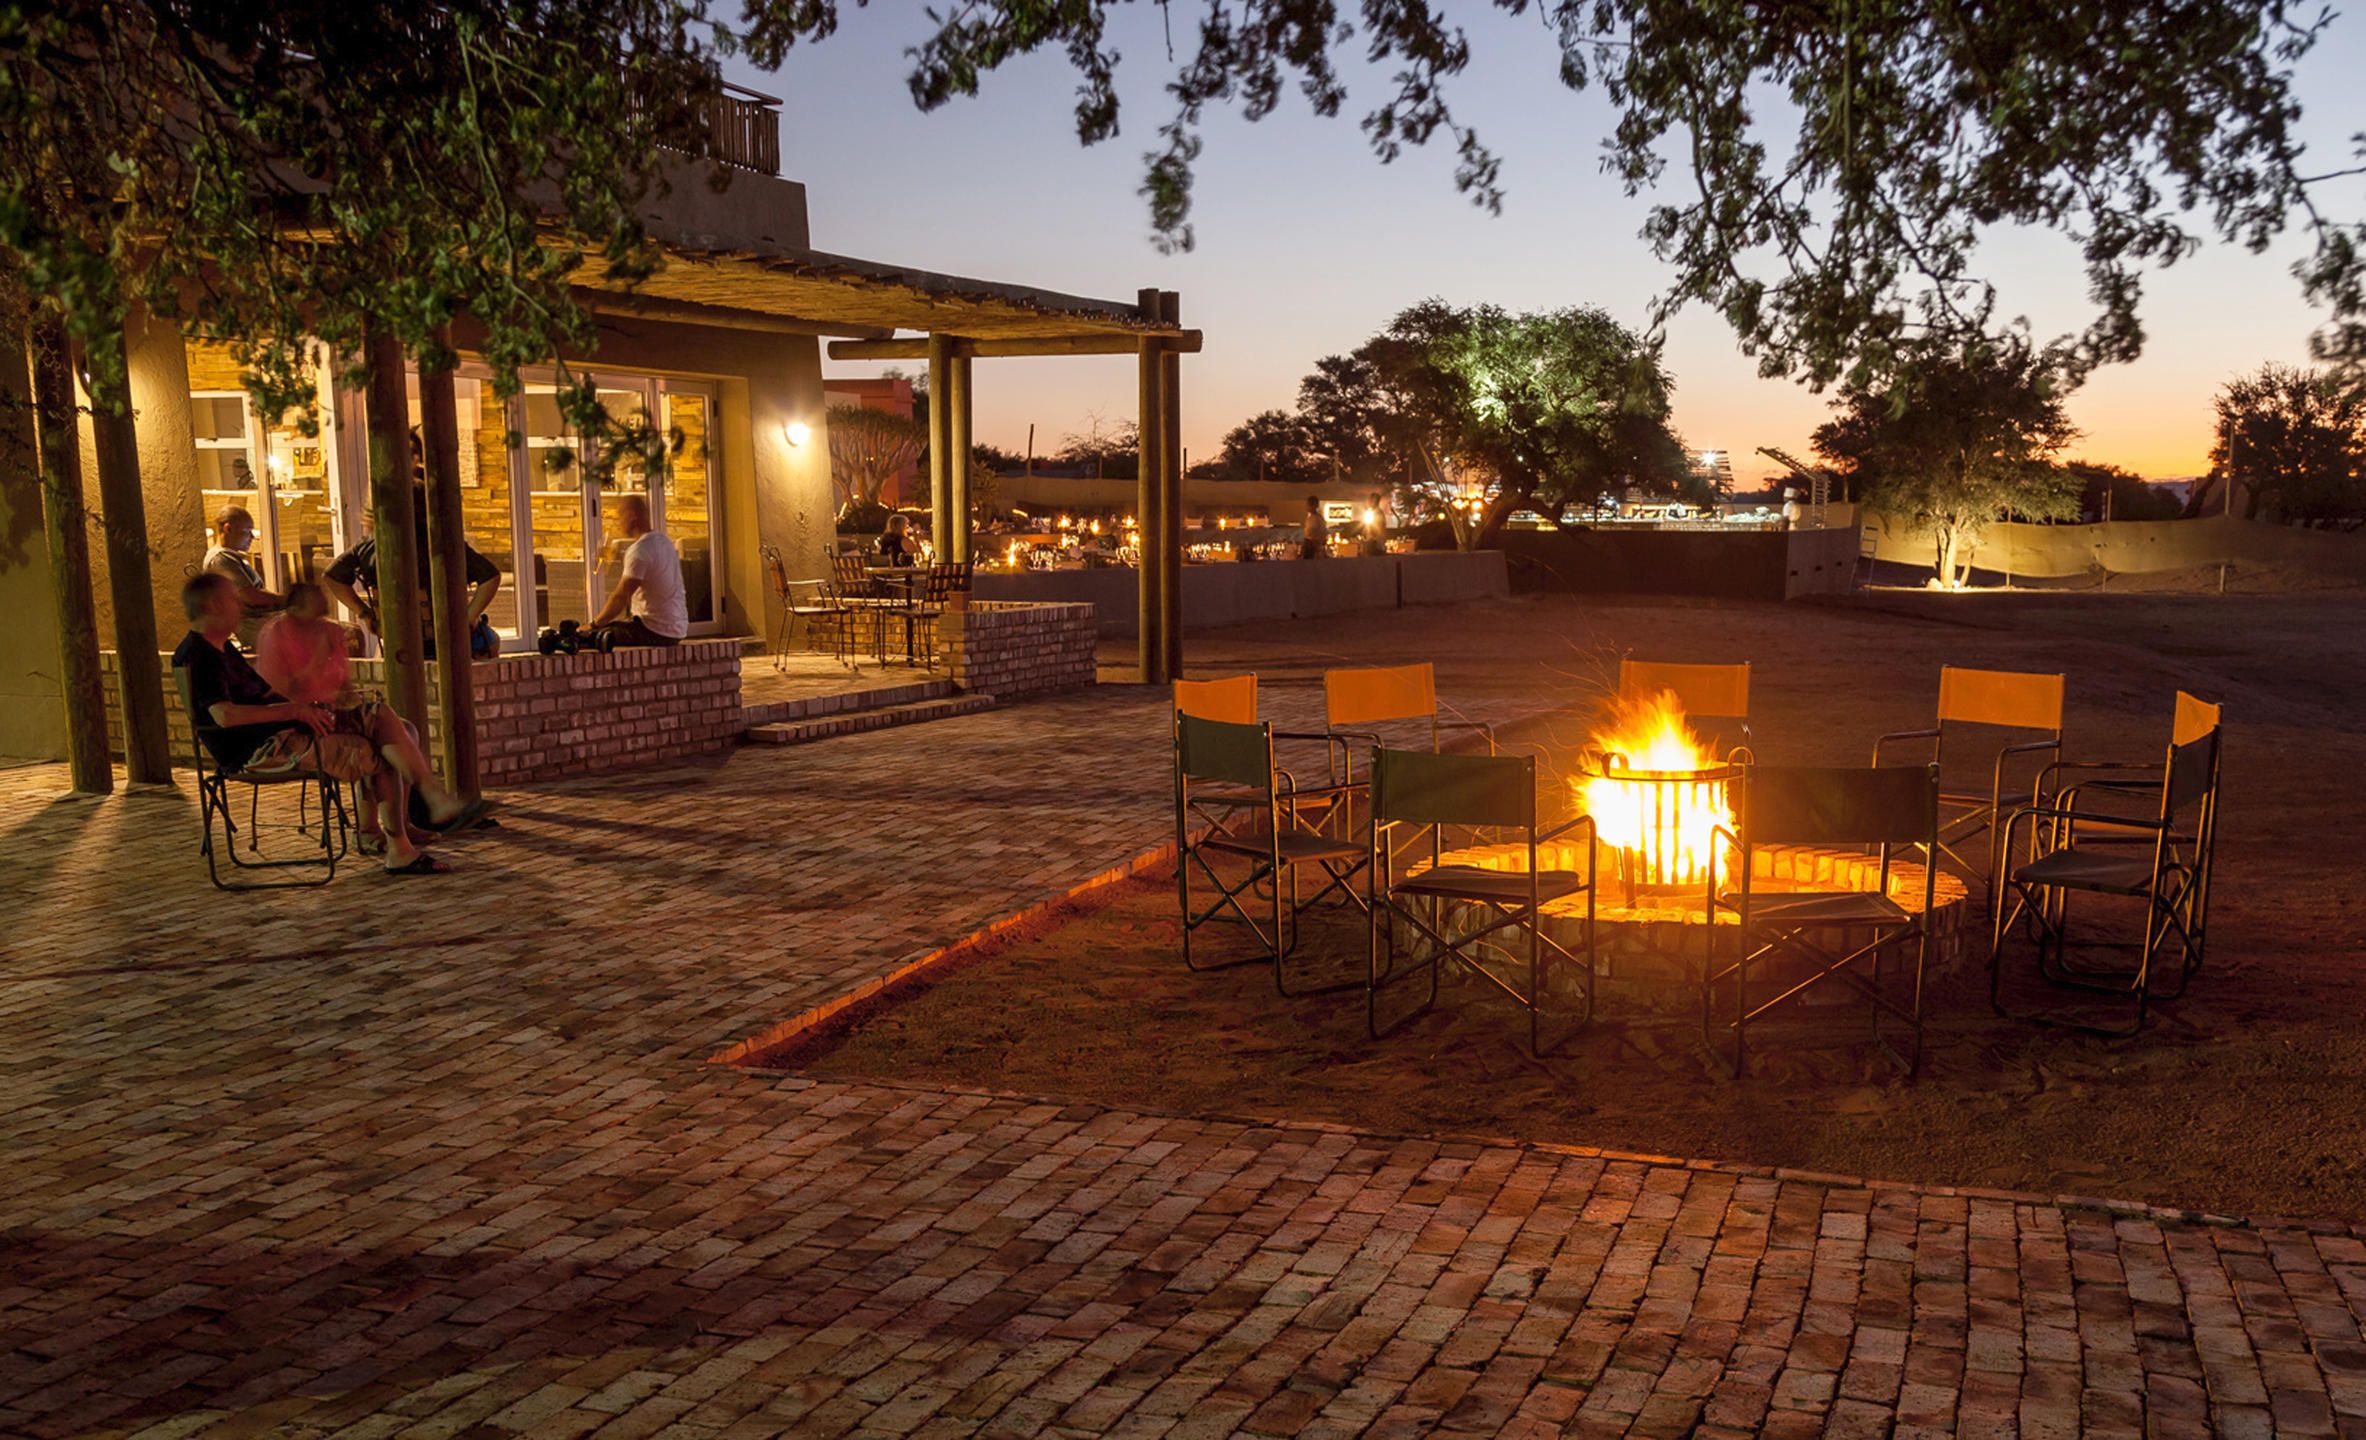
<point>548,717</point>
<point>1012,651</point>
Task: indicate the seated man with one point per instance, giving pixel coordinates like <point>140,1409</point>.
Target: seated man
<point>252,730</point>
<point>651,586</point>
<point>234,540</point>
<point>352,578</point>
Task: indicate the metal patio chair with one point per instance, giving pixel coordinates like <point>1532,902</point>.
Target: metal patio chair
<point>1995,700</point>
<point>945,580</point>
<point>816,603</point>
<point>1240,759</point>
<point>214,812</point>
<point>1707,692</point>
<point>1786,805</point>
<point>1480,795</point>
<point>2086,839</point>
<point>1321,807</point>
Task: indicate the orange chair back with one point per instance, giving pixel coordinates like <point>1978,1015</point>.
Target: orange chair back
<point>2195,718</point>
<point>2014,698</point>
<point>1233,699</point>
<point>1386,692</point>
<point>1708,692</point>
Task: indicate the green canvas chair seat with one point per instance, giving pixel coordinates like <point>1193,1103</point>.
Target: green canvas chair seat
<point>1235,760</point>
<point>1796,805</point>
<point>1460,914</point>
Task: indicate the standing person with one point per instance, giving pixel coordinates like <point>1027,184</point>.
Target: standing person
<point>1315,532</point>
<point>234,540</point>
<point>353,579</point>
<point>1376,523</point>
<point>651,586</point>
<point>1790,507</point>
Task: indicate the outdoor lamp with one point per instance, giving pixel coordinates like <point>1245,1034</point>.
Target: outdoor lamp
<point>797,432</point>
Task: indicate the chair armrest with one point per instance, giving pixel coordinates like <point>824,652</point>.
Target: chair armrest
<point>1881,740</point>
<point>1568,825</point>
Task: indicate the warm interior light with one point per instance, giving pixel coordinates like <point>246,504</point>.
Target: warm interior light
<point>798,432</point>
<point>1666,828</point>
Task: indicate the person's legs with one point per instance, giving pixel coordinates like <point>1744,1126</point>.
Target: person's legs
<point>632,630</point>
<point>399,743</point>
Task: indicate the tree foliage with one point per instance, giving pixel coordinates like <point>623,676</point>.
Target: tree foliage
<point>1957,438</point>
<point>1552,408</point>
<point>2107,492</point>
<point>868,448</point>
<point>1822,174</point>
<point>280,172</point>
<point>1111,452</point>
<point>2293,444</point>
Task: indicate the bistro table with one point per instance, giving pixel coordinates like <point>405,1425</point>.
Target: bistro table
<point>908,580</point>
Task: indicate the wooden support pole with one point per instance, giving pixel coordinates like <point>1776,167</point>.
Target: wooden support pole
<point>1114,342</point>
<point>940,444</point>
<point>147,747</point>
<point>63,514</point>
<point>401,626</point>
<point>447,570</point>
<point>1170,506</point>
<point>1150,610</point>
<point>957,418</point>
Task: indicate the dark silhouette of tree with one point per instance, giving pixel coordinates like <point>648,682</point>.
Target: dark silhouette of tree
<point>2292,443</point>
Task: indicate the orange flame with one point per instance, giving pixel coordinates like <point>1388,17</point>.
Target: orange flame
<point>1666,831</point>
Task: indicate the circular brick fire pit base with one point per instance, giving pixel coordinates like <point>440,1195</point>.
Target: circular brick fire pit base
<point>1659,937</point>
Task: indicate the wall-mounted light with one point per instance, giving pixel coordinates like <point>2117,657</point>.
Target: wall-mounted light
<point>797,432</point>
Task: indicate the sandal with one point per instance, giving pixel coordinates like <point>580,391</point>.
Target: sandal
<point>373,846</point>
<point>423,864</point>
<point>467,817</point>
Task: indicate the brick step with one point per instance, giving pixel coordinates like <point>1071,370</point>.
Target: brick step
<point>814,707</point>
<point>854,722</point>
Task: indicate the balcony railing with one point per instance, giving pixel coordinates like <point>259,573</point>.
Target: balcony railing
<point>743,129</point>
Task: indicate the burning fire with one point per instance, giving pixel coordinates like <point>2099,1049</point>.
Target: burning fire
<point>1662,827</point>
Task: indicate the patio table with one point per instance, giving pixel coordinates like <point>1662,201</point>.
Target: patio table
<point>908,579</point>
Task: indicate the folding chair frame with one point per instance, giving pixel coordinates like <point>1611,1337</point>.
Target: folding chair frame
<point>1385,908</point>
<point>1343,771</point>
<point>213,811</point>
<point>2175,892</point>
<point>1277,938</point>
<point>1824,964</point>
<point>1975,814</point>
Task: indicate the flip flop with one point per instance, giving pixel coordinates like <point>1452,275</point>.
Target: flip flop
<point>424,864</point>
<point>373,846</point>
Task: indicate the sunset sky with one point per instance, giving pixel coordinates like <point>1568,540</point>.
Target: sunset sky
<point>1306,244</point>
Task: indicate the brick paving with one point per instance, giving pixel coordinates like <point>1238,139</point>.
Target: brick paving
<point>276,1166</point>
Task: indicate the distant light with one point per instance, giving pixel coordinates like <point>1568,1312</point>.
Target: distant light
<point>798,432</point>
<point>1708,457</point>
<point>1371,516</point>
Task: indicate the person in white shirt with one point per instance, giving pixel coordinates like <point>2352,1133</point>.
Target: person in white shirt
<point>648,605</point>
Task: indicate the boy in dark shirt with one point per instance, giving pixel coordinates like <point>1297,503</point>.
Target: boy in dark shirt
<point>252,730</point>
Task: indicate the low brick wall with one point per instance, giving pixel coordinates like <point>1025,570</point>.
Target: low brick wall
<point>546,717</point>
<point>1013,650</point>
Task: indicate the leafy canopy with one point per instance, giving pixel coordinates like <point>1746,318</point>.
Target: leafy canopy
<point>1960,436</point>
<point>2294,444</point>
<point>1823,173</point>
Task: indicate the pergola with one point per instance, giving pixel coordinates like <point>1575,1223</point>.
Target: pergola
<point>866,306</point>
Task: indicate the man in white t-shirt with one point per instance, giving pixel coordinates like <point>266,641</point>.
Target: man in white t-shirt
<point>650,587</point>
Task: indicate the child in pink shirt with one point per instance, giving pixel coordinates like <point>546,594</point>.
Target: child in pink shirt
<point>301,652</point>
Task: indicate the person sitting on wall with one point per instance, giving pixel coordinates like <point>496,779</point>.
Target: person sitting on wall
<point>895,542</point>
<point>353,579</point>
<point>234,539</point>
<point>253,730</point>
<point>648,605</point>
<point>1315,536</point>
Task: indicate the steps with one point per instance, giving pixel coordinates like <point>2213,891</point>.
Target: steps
<point>854,721</point>
<point>838,702</point>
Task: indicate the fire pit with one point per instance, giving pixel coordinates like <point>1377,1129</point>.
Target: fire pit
<point>1657,795</point>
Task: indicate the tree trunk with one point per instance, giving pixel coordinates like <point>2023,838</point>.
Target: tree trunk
<point>66,519</point>
<point>447,566</point>
<point>147,745</point>
<point>1499,510</point>
<point>400,621</point>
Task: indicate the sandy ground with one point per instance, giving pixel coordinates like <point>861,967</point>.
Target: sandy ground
<point>2248,1096</point>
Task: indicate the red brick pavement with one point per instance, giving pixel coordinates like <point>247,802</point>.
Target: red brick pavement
<point>444,1160</point>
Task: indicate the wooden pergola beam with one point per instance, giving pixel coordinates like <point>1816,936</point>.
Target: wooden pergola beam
<point>628,306</point>
<point>1181,342</point>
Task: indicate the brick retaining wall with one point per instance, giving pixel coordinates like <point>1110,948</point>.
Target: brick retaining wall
<point>1014,650</point>
<point>546,717</point>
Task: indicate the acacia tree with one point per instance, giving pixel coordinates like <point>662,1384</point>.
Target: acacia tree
<point>1956,438</point>
<point>1274,445</point>
<point>868,448</point>
<point>1822,174</point>
<point>2294,443</point>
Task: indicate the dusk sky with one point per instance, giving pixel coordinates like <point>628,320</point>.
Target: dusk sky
<point>1306,244</point>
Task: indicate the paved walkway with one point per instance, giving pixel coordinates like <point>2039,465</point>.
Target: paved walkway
<point>444,1159</point>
